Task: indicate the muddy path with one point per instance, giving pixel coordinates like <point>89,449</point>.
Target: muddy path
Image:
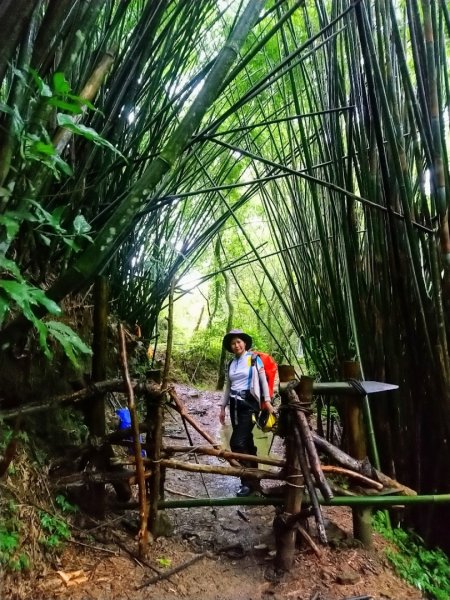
<point>236,544</point>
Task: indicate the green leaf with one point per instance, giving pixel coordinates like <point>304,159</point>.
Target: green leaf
<point>73,345</point>
<point>11,225</point>
<point>82,102</point>
<point>4,308</point>
<point>62,165</point>
<point>39,297</point>
<point>164,562</point>
<point>44,148</point>
<point>64,105</point>
<point>46,218</point>
<point>71,244</point>
<point>18,293</point>
<point>5,193</point>
<point>45,239</point>
<point>86,132</point>
<point>9,265</point>
<point>6,109</point>
<point>80,225</point>
<point>43,88</point>
<point>60,83</point>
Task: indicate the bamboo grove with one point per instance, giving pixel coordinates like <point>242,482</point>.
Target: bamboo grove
<point>332,114</point>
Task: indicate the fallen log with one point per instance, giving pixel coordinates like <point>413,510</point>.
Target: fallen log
<point>87,477</point>
<point>94,389</point>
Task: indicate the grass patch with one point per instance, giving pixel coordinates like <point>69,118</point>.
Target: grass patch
<point>426,569</point>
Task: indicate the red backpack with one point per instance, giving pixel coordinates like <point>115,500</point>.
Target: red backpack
<point>270,367</point>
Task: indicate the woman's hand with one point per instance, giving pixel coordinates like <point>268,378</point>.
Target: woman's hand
<point>267,406</point>
<point>222,415</point>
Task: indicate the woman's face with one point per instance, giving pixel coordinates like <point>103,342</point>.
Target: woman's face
<point>237,346</point>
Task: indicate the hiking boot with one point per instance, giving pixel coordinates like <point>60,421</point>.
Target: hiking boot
<point>244,490</point>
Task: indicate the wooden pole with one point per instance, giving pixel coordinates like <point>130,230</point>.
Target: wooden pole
<point>354,428</point>
<point>219,470</point>
<point>155,418</point>
<point>285,535</point>
<point>140,473</point>
<point>184,413</point>
<point>95,408</point>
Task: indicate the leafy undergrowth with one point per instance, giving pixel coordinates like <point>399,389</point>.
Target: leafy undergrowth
<point>33,525</point>
<point>426,569</point>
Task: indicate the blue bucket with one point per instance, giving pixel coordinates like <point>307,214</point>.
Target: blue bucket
<point>125,422</point>
<point>124,418</point>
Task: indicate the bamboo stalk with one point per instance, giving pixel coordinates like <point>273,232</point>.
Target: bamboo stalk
<point>89,91</point>
<point>279,501</point>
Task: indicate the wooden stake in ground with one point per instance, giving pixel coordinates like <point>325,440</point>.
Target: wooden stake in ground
<point>285,532</point>
<point>155,418</point>
<point>140,473</point>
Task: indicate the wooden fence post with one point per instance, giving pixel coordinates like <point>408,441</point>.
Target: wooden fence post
<point>155,419</point>
<point>357,448</point>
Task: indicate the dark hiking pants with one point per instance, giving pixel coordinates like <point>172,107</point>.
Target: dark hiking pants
<point>242,410</point>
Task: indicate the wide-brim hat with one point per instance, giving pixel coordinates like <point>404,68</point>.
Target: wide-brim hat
<point>237,333</point>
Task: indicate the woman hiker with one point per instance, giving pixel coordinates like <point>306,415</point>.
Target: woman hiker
<point>246,392</point>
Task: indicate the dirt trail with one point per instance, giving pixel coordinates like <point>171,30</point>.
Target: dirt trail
<point>239,542</point>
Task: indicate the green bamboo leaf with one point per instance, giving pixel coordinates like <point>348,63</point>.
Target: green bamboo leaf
<point>43,333</point>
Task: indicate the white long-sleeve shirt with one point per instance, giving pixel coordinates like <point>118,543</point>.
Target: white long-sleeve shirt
<point>239,377</point>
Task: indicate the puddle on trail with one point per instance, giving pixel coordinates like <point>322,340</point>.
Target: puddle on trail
<point>263,441</point>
